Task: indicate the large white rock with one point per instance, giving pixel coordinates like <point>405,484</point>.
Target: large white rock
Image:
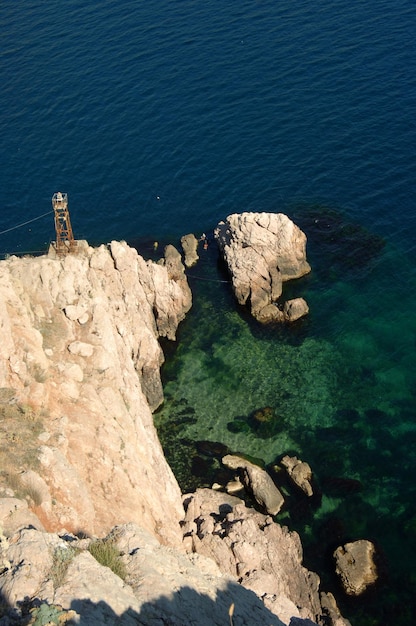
<point>263,250</point>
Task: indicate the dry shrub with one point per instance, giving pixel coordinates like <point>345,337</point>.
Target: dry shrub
<point>106,553</point>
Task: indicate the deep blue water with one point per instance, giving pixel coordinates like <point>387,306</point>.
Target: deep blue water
<point>162,118</point>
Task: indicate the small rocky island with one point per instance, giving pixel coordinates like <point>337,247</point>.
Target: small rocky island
<point>83,473</point>
<point>262,251</point>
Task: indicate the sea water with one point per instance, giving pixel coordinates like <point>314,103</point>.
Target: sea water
<point>162,118</point>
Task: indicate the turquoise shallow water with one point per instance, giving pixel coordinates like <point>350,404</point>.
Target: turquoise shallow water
<point>340,385</point>
<point>160,119</point>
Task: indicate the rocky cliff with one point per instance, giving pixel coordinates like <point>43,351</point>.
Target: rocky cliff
<point>80,459</point>
<point>79,374</point>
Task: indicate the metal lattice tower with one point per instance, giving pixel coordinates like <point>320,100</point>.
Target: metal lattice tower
<point>65,241</point>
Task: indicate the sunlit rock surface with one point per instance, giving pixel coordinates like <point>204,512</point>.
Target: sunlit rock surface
<point>262,251</point>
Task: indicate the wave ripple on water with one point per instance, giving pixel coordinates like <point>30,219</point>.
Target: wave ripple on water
<point>163,119</point>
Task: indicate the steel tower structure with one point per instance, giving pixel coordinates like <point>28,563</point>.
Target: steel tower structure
<point>65,241</point>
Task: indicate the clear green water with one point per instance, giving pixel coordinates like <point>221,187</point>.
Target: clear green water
<point>340,386</point>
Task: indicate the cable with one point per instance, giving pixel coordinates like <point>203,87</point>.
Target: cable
<point>211,280</point>
<point>24,223</point>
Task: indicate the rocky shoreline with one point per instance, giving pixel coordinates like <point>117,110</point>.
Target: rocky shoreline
<point>79,378</point>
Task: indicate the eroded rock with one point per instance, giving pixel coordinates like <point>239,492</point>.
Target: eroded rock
<point>300,472</point>
<point>258,482</point>
<point>80,353</point>
<point>355,566</point>
<point>189,245</point>
<point>263,250</point>
<point>60,577</point>
<point>265,557</point>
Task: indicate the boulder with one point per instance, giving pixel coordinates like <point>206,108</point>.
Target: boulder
<point>258,482</point>
<point>295,309</point>
<point>355,566</point>
<point>300,472</point>
<point>189,245</point>
<point>263,250</point>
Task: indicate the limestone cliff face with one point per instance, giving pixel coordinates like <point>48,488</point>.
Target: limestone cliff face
<point>79,455</point>
<point>79,361</point>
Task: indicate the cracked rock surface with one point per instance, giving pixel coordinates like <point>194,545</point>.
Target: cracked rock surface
<point>262,251</point>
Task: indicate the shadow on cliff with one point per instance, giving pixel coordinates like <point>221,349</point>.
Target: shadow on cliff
<point>185,607</point>
<point>234,606</point>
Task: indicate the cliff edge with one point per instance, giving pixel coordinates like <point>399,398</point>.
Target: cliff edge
<point>83,476</point>
<point>79,375</point>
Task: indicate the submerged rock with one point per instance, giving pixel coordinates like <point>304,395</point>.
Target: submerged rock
<point>263,250</point>
<point>263,415</point>
<point>265,423</point>
<point>343,245</point>
<point>212,448</point>
<point>338,486</point>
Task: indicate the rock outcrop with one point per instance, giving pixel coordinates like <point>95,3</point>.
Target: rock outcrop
<point>189,245</point>
<point>264,557</point>
<point>258,483</point>
<point>300,472</point>
<point>47,575</point>
<point>355,566</point>
<point>79,374</point>
<point>263,250</point>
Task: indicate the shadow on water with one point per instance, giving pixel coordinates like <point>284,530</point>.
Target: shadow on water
<point>185,606</point>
